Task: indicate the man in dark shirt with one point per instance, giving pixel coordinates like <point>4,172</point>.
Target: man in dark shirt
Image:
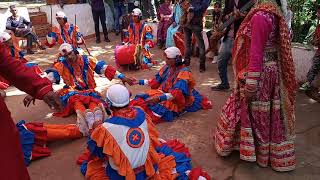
<point>198,8</point>
<point>98,12</point>
<point>149,9</point>
<point>22,28</point>
<point>225,52</point>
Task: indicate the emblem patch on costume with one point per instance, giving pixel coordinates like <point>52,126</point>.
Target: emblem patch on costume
<point>135,137</point>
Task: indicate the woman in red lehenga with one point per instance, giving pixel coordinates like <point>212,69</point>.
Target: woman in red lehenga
<point>258,119</point>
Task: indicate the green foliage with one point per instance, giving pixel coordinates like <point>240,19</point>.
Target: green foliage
<point>304,19</point>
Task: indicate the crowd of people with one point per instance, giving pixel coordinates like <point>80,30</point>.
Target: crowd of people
<point>258,119</point>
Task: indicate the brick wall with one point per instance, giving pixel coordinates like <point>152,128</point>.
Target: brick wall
<point>40,24</point>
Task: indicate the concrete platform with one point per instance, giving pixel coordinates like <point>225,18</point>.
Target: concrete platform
<point>193,129</point>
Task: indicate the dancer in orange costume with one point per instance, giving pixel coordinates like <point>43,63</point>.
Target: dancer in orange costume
<point>35,137</point>
<point>140,35</point>
<point>79,95</point>
<point>172,90</point>
<point>129,146</point>
<point>64,32</point>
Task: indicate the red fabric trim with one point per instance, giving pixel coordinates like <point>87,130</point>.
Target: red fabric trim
<point>153,83</point>
<point>128,113</point>
<point>179,98</point>
<point>69,109</point>
<point>177,146</point>
<point>43,91</point>
<point>4,84</point>
<point>84,157</point>
<point>197,172</point>
<point>40,133</point>
<point>39,152</point>
<point>206,103</point>
<point>141,103</point>
<point>110,72</point>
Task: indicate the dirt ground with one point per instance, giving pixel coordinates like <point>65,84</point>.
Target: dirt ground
<point>193,129</point>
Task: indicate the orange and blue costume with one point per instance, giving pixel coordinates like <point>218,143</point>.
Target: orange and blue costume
<point>127,146</point>
<point>80,84</point>
<point>69,33</point>
<point>34,138</point>
<point>175,89</point>
<point>140,35</point>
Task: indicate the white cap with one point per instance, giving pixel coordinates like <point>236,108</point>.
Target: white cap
<point>60,14</point>
<point>4,36</point>
<point>136,12</point>
<point>65,48</point>
<point>118,95</point>
<point>172,52</point>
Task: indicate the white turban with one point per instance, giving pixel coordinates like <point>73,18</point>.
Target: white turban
<point>118,95</point>
<point>65,48</point>
<point>60,14</point>
<point>4,36</point>
<point>136,12</point>
<point>172,52</point>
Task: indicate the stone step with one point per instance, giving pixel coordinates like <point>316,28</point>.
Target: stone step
<point>38,18</point>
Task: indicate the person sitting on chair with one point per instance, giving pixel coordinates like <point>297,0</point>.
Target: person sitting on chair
<point>22,28</point>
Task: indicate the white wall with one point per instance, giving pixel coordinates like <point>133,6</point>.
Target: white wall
<point>303,61</point>
<point>83,13</point>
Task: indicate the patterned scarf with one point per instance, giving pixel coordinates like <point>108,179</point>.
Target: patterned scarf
<point>241,56</point>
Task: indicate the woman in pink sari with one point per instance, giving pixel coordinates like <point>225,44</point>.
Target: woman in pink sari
<point>258,119</point>
<point>165,12</point>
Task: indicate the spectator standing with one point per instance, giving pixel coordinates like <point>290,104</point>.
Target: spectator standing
<point>165,13</point>
<point>197,8</point>
<point>225,52</point>
<point>98,12</point>
<point>149,9</point>
<point>119,10</point>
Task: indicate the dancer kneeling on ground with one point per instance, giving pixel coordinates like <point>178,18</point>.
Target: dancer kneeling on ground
<point>172,90</point>
<point>127,146</point>
<point>79,95</point>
